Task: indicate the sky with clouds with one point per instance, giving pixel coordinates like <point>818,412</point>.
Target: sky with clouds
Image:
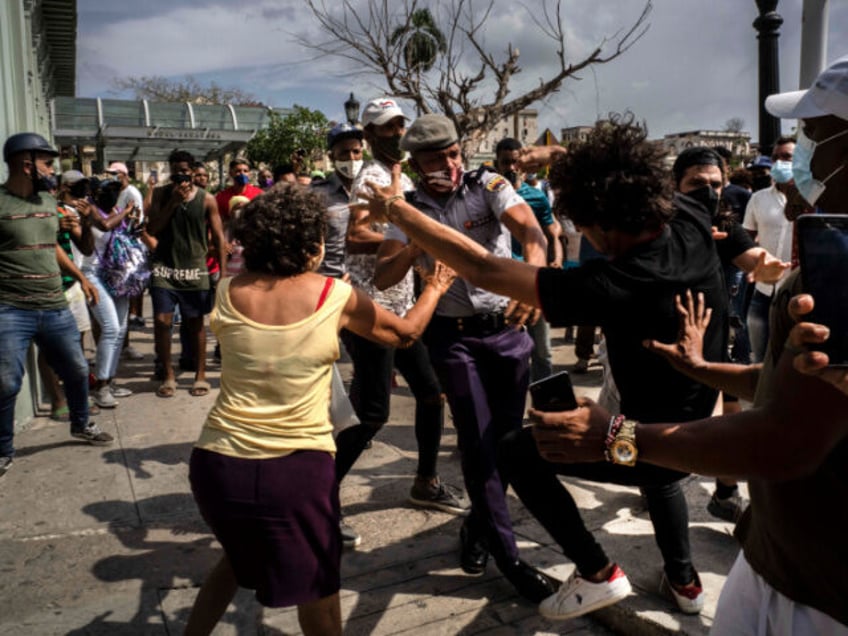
<point>695,68</point>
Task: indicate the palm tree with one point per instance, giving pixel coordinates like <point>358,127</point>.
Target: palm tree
<point>422,41</point>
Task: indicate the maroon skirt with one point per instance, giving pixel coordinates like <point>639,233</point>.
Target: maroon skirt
<point>277,520</point>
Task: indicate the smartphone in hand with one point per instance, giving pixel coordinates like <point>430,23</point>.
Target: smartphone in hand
<point>154,175</point>
<point>553,393</point>
<point>823,252</point>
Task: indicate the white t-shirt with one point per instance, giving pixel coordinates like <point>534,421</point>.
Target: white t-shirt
<point>131,192</point>
<point>764,215</point>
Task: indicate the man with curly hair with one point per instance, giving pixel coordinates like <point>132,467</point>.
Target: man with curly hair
<point>616,189</point>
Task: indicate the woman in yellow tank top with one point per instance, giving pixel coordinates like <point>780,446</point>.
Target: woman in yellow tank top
<point>262,472</point>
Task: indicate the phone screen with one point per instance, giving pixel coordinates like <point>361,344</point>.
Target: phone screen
<point>823,251</point>
<point>154,175</point>
<point>553,393</point>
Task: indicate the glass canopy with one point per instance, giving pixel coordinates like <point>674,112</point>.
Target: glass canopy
<point>129,130</point>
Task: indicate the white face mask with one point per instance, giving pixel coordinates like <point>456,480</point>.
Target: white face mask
<point>349,169</point>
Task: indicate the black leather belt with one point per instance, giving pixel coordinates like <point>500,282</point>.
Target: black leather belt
<point>475,326</point>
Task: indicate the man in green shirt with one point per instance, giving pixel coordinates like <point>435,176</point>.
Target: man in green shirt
<point>32,303</point>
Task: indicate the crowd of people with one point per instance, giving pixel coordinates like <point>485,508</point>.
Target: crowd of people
<point>454,278</point>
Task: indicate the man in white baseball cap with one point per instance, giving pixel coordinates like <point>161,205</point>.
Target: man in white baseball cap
<point>823,111</point>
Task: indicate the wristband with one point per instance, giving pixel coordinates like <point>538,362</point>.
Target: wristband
<point>387,204</point>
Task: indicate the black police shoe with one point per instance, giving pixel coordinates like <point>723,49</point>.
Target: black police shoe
<point>473,554</point>
<point>529,582</point>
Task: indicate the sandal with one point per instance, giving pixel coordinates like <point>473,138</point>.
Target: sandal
<point>61,414</point>
<point>199,388</point>
<point>167,389</point>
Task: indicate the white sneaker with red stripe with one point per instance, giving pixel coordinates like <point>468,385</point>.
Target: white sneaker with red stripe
<point>689,598</point>
<point>578,596</point>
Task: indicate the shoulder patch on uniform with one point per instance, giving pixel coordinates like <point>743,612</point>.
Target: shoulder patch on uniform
<point>496,184</point>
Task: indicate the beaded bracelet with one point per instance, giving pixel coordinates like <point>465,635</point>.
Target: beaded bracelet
<point>614,426</point>
<point>387,204</point>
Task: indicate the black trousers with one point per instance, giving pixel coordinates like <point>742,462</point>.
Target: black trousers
<point>371,392</point>
<point>535,481</point>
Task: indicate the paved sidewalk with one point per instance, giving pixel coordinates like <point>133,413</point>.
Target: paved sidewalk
<point>108,540</point>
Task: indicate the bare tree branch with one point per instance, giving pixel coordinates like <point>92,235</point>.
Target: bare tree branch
<point>466,81</point>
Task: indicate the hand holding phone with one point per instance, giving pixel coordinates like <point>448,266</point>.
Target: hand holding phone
<point>553,393</point>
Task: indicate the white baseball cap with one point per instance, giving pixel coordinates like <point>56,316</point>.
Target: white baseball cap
<point>380,111</point>
<point>118,167</point>
<point>827,96</point>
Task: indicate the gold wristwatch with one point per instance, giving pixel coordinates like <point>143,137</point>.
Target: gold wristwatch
<point>622,449</point>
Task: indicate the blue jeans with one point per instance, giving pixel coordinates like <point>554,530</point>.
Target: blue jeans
<point>111,314</point>
<point>55,332</point>
<point>541,365</point>
<point>737,289</point>
<point>758,325</point>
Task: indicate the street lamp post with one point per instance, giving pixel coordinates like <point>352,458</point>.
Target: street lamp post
<point>767,25</point>
<point>351,107</point>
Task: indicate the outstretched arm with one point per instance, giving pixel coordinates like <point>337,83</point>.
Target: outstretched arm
<point>471,260</point>
<point>686,355</point>
<point>366,318</point>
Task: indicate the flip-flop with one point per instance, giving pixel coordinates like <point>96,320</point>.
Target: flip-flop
<point>199,388</point>
<point>63,413</point>
<point>167,389</point>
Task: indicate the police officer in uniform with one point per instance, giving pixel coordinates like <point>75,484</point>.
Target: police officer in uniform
<point>477,342</point>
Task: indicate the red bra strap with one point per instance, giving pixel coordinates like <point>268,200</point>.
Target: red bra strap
<point>328,285</point>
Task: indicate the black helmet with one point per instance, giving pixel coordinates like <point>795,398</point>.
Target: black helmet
<point>26,141</point>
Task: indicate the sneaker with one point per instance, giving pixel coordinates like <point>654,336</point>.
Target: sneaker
<point>5,465</point>
<point>103,397</point>
<point>581,366</point>
<point>431,493</point>
<point>729,509</point>
<point>119,391</point>
<point>93,435</point>
<point>135,322</point>
<point>578,596</point>
<point>350,537</point>
<point>689,598</point>
<point>131,353</point>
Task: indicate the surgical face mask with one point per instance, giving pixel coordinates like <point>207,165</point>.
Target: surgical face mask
<point>444,180</point>
<point>388,148</point>
<point>707,197</point>
<point>349,169</point>
<point>781,171</point>
<point>808,186</point>
<point>241,179</point>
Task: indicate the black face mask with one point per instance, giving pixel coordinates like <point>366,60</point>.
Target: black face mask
<point>512,177</point>
<point>45,183</point>
<point>387,148</point>
<point>761,183</point>
<point>707,197</point>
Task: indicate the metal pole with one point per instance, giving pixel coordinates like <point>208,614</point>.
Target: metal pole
<point>767,25</point>
<point>813,41</point>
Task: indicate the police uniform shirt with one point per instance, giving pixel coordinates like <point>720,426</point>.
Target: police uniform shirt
<point>338,213</point>
<point>475,210</point>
